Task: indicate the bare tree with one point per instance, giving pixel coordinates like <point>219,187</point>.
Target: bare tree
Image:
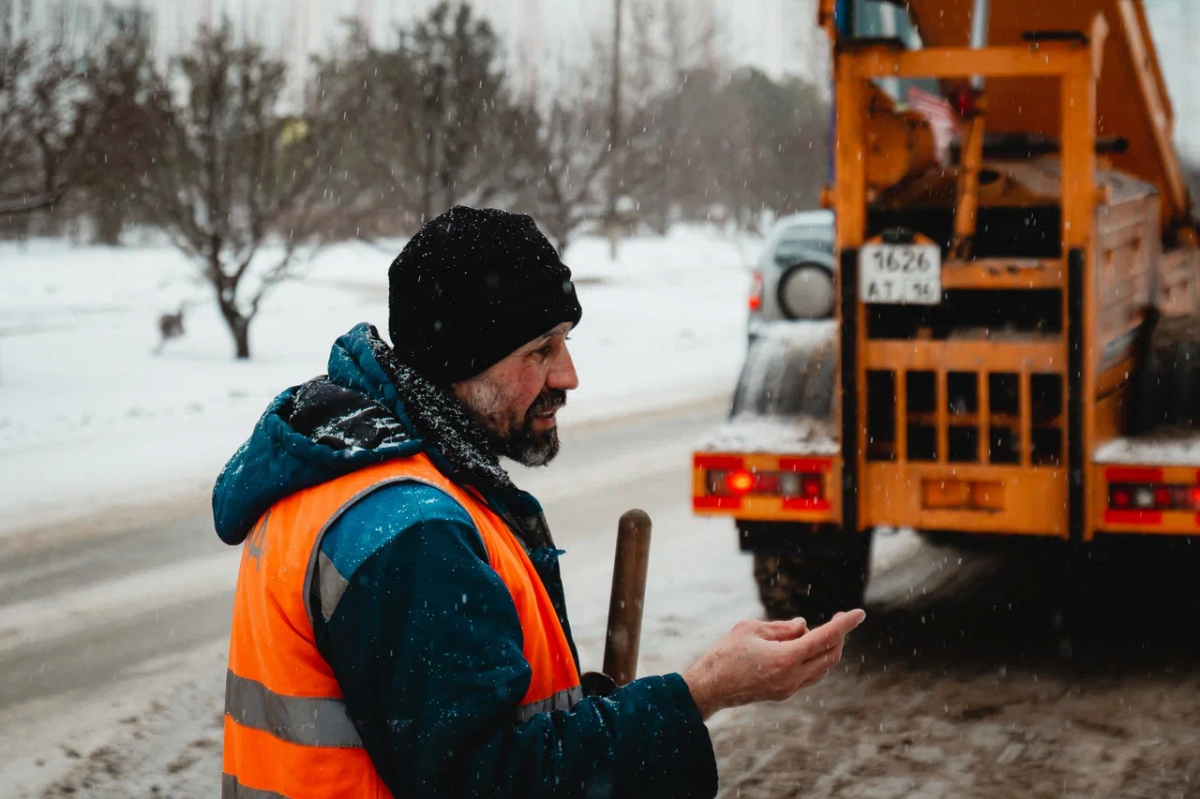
<point>782,139</point>
<point>671,48</point>
<point>470,129</point>
<point>699,138</point>
<point>121,84</point>
<point>46,121</point>
<point>68,105</point>
<point>234,175</point>
<point>571,156</point>
<point>592,141</point>
<point>361,98</point>
<point>616,141</point>
<point>433,121</point>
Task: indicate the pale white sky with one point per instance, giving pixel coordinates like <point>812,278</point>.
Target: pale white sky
<point>779,36</point>
<point>767,33</point>
<point>1175,24</point>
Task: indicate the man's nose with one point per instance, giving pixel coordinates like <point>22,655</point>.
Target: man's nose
<point>562,373</point>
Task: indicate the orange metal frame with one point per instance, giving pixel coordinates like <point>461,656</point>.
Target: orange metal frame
<point>892,492</point>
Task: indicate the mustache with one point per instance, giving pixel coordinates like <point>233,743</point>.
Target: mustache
<point>551,400</point>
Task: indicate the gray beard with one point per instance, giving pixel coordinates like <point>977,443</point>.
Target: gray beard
<point>527,447</point>
<point>522,443</point>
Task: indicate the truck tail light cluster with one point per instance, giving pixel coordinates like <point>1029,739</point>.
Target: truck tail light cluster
<point>739,482</point>
<point>798,482</point>
<point>1149,496</point>
<point>1152,497</point>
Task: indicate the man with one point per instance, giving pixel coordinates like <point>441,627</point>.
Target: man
<point>399,624</point>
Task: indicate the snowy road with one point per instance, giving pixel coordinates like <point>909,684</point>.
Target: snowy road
<point>131,624</point>
<point>962,682</point>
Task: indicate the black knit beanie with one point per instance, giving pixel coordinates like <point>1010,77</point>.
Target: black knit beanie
<point>471,287</point>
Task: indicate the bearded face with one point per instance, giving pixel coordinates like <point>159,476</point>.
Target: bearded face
<point>517,399</point>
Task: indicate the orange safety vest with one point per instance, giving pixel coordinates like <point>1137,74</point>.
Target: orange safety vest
<point>287,732</point>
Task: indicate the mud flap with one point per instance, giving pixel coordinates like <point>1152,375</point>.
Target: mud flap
<point>1076,261</point>
<point>848,288</point>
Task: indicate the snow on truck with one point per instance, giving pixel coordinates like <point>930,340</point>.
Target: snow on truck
<point>1015,349</point>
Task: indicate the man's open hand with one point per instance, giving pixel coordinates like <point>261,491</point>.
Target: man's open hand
<point>758,661</point>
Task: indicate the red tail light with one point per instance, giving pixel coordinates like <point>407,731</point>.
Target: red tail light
<point>767,483</point>
<point>739,482</point>
<point>756,291</point>
<point>1150,497</point>
<point>786,484</point>
<point>812,487</point>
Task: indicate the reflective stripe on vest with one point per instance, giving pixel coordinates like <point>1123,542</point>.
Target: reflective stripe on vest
<point>232,789</point>
<point>563,700</point>
<point>304,720</point>
<point>287,732</point>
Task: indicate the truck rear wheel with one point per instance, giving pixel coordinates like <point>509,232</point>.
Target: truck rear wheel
<point>1167,388</point>
<point>813,585</point>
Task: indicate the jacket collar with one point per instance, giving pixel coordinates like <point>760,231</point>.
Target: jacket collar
<point>369,408</point>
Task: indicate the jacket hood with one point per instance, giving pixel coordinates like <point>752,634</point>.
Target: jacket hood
<point>369,408</point>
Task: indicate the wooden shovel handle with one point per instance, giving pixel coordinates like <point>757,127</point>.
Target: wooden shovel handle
<point>628,597</point>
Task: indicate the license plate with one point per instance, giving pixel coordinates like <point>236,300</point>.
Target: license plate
<point>900,274</point>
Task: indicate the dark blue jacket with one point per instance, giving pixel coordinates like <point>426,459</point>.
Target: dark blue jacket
<point>425,641</point>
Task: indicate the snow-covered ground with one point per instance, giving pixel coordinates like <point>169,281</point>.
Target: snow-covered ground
<point>112,649</point>
<point>98,696</point>
<point>91,419</point>
<point>1161,448</point>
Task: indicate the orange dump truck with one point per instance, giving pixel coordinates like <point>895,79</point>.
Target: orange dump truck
<point>1014,352</point>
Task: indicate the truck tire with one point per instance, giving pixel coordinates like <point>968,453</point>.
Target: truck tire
<point>1185,408</point>
<point>812,585</point>
<point>1166,390</point>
